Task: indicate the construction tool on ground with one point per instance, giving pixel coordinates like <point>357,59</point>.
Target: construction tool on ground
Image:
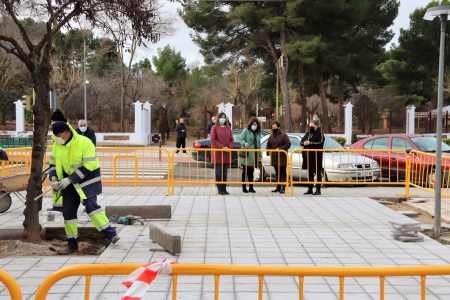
<point>126,220</point>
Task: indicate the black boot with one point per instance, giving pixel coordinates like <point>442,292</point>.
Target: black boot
<point>317,192</point>
<point>282,190</point>
<point>309,191</point>
<point>251,190</point>
<point>244,188</point>
<point>277,189</point>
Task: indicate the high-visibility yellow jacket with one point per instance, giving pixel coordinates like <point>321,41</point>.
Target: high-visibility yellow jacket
<point>77,160</point>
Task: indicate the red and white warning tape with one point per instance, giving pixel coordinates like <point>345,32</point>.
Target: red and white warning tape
<point>139,280</point>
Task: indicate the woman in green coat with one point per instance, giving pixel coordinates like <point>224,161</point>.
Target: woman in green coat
<point>250,139</point>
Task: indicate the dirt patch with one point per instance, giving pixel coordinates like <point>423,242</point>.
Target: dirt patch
<point>424,218</point>
<point>49,248</point>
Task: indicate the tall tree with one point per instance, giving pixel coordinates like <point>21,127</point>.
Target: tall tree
<point>34,50</point>
<point>11,87</point>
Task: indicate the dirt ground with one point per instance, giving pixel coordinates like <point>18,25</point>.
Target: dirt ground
<point>49,248</point>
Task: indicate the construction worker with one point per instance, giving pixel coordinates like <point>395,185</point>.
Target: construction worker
<point>77,170</point>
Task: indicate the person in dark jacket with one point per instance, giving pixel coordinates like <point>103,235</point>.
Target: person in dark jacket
<point>3,155</point>
<point>181,135</point>
<point>280,141</point>
<point>86,131</point>
<point>312,160</point>
<point>210,125</point>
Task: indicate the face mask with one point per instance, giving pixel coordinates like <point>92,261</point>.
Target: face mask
<point>312,129</point>
<point>222,120</point>
<point>254,127</point>
<point>274,130</point>
<point>83,129</point>
<point>60,140</point>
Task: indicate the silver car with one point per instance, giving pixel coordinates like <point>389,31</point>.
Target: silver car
<point>340,165</point>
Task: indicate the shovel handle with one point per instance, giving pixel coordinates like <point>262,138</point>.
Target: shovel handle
<point>42,195</point>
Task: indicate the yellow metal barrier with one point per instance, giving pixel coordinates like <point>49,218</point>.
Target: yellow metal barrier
<point>135,166</point>
<point>350,167</point>
<point>193,168</point>
<point>19,162</point>
<point>11,285</point>
<point>341,273</point>
<point>423,171</point>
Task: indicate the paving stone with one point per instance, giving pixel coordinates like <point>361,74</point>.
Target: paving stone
<point>385,202</point>
<point>404,222</point>
<point>410,239</point>
<point>399,232</point>
<point>165,238</point>
<point>143,211</point>
<point>408,213</point>
<point>406,228</point>
<point>417,200</point>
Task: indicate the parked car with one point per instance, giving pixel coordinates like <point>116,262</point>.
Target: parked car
<point>338,166</point>
<point>393,164</point>
<point>206,144</point>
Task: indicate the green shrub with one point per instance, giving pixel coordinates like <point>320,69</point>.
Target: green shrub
<point>341,140</point>
<point>354,138</point>
<point>447,141</point>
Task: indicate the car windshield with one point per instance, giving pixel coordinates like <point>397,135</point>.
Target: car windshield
<point>428,144</point>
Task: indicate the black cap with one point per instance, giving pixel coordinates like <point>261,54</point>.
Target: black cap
<point>59,127</point>
<point>57,115</point>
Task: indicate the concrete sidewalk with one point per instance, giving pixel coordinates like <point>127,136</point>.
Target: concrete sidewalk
<point>342,227</point>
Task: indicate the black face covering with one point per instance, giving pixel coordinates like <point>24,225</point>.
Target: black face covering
<point>311,129</point>
<point>274,130</point>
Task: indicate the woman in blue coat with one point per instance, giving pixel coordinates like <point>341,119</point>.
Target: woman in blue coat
<point>250,139</point>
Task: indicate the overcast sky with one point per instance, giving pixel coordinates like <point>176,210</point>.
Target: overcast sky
<point>181,41</point>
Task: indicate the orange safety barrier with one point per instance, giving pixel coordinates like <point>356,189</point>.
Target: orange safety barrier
<point>191,168</point>
<point>423,172</point>
<point>12,285</point>
<point>215,270</point>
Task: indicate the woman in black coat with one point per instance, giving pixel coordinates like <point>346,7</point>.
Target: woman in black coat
<point>278,140</point>
<point>313,160</point>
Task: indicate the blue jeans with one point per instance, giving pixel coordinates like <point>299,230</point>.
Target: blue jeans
<point>221,175</point>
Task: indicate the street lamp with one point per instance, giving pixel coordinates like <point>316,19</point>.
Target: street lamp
<point>84,68</point>
<point>442,12</point>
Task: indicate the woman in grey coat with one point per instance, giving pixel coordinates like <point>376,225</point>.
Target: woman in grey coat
<point>250,139</point>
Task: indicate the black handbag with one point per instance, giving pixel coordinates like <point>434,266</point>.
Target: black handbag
<point>241,154</point>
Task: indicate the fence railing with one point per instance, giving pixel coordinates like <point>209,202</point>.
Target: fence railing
<point>340,273</point>
<point>11,284</point>
<point>140,166</point>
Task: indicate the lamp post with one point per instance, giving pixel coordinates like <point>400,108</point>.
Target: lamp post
<point>84,68</point>
<point>442,12</point>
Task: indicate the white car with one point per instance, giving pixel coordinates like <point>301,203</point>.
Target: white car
<point>340,165</point>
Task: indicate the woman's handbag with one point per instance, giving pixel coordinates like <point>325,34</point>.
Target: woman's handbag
<point>241,154</point>
<point>256,174</point>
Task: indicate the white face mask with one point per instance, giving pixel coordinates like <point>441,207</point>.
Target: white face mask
<point>60,140</point>
<point>83,129</point>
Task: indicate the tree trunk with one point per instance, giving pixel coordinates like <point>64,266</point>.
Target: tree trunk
<point>41,112</point>
<point>301,97</point>
<point>323,100</point>
<point>2,117</point>
<point>341,111</point>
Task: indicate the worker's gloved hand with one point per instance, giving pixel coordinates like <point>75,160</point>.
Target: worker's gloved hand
<point>55,185</point>
<point>54,179</point>
<point>64,183</point>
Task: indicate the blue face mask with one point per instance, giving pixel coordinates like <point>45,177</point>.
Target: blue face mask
<point>254,127</point>
<point>83,129</point>
<point>222,120</point>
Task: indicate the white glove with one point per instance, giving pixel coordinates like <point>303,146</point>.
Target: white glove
<point>64,183</point>
<point>53,179</point>
<point>55,185</point>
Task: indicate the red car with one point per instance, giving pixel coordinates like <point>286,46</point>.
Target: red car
<point>393,164</point>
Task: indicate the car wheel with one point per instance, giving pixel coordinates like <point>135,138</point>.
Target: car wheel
<point>5,201</point>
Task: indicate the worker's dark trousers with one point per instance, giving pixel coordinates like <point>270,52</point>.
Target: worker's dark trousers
<point>181,143</point>
<point>71,204</point>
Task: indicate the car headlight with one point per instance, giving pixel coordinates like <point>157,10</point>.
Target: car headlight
<point>375,164</point>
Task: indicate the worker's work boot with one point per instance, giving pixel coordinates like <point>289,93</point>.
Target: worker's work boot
<point>66,250</point>
<point>115,239</point>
